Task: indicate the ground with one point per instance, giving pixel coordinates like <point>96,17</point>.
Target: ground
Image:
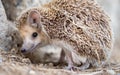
<point>13,63</point>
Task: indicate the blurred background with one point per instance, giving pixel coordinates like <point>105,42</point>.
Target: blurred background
<point>111,7</point>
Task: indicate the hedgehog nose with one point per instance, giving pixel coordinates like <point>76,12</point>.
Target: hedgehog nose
<point>23,50</point>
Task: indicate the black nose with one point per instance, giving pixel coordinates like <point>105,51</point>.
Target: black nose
<point>23,50</point>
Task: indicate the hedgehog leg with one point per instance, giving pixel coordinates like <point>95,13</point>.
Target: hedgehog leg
<point>82,67</point>
<point>85,65</point>
<point>70,64</point>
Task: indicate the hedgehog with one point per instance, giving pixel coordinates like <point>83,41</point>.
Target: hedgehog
<point>80,23</point>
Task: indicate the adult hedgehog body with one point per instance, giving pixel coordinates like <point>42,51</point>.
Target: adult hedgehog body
<point>81,23</point>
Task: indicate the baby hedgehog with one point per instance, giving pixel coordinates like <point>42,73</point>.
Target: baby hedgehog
<point>79,23</point>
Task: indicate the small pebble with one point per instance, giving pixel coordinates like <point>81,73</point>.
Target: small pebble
<point>31,72</point>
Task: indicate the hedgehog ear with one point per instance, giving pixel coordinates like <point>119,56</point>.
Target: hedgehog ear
<point>34,19</point>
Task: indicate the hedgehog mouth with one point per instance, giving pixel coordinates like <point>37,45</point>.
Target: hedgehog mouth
<point>33,48</point>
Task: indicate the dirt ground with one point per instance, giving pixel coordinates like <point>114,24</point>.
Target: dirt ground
<point>13,63</point>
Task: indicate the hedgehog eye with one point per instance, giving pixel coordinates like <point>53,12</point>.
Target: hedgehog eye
<point>35,34</point>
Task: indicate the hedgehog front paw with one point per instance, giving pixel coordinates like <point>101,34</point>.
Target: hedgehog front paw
<point>84,66</point>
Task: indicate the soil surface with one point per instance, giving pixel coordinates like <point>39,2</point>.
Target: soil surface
<point>13,63</point>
